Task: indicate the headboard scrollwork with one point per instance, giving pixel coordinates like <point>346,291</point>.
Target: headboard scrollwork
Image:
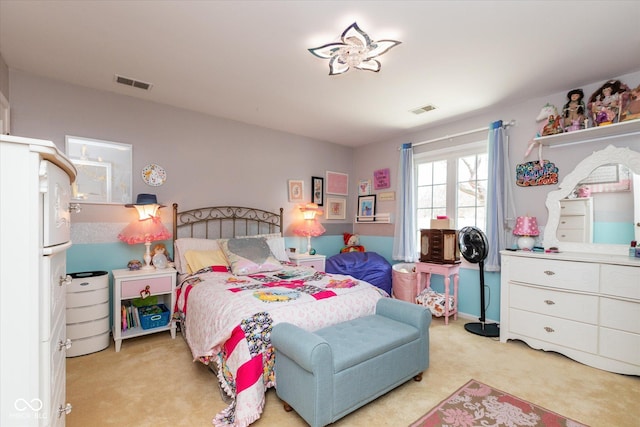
<point>225,222</point>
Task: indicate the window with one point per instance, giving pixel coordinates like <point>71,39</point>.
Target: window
<point>453,183</point>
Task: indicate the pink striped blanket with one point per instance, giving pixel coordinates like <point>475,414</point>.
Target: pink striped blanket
<point>228,319</point>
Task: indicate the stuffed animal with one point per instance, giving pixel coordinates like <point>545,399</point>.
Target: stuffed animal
<point>352,243</point>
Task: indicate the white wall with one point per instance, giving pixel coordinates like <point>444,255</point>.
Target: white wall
<point>528,200</point>
<point>209,161</point>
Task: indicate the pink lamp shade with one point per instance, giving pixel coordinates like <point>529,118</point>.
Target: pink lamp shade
<point>309,228</point>
<point>526,227</point>
<point>145,231</point>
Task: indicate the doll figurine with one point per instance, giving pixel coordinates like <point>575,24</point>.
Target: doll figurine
<point>573,111</point>
<point>604,104</point>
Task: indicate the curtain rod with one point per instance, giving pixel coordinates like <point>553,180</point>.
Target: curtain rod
<point>469,132</point>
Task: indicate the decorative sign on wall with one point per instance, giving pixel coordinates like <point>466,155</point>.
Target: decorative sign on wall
<point>381,179</point>
<point>531,174</point>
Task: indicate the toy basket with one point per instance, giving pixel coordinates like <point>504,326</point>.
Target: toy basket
<point>154,316</point>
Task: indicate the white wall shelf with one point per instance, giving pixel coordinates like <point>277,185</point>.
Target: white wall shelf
<point>616,130</point>
<point>381,218</point>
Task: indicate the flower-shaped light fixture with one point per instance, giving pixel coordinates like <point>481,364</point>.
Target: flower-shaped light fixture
<point>356,50</point>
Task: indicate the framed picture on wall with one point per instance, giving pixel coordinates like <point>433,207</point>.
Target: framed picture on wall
<point>381,179</point>
<point>336,208</point>
<point>296,190</point>
<point>337,183</point>
<point>317,190</point>
<point>364,187</point>
<point>366,208</point>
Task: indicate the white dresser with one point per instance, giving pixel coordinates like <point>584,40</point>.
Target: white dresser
<point>35,192</point>
<point>583,305</point>
<point>576,220</point>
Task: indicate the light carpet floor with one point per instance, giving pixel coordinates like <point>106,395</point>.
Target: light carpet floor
<point>152,381</point>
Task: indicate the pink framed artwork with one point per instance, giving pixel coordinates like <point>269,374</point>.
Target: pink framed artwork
<point>337,183</point>
<point>381,179</point>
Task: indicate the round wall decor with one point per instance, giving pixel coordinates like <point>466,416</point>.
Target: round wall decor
<point>154,175</point>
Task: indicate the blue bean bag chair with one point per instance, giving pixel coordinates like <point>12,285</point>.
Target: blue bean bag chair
<point>367,266</point>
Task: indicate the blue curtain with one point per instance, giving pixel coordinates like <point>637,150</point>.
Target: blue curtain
<point>404,242</point>
<point>499,195</point>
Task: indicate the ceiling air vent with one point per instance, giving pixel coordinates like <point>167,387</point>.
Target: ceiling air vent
<point>424,109</point>
<point>132,82</point>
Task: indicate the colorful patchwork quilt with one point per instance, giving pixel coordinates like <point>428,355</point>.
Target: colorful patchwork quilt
<point>228,321</point>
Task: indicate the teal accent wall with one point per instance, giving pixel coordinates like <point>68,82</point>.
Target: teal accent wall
<point>110,256</point>
<point>619,233</point>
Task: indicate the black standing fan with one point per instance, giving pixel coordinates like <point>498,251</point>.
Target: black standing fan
<point>474,247</point>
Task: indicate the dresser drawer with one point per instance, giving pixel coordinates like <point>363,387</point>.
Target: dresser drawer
<point>157,285</point>
<point>567,333</point>
<point>582,308</point>
<point>571,222</point>
<point>623,315</point>
<point>574,207</point>
<point>620,280</point>
<point>570,235</point>
<point>581,276</point>
<point>620,345</point>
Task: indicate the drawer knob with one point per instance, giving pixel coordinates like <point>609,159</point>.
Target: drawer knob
<point>64,410</point>
<point>549,273</point>
<point>66,344</point>
<point>548,329</point>
<point>549,302</point>
<point>65,280</point>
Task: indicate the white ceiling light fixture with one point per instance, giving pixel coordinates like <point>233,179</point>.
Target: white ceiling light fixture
<point>357,50</point>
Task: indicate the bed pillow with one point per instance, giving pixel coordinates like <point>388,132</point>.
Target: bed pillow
<point>249,255</point>
<point>197,260</point>
<point>275,242</point>
<point>184,244</point>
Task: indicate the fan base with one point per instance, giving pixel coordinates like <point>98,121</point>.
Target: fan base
<point>491,330</point>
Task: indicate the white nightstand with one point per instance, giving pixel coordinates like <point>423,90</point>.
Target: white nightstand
<point>127,286</point>
<point>313,261</point>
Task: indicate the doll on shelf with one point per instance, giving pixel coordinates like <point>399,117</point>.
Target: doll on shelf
<point>552,127</point>
<point>604,104</point>
<point>573,111</point>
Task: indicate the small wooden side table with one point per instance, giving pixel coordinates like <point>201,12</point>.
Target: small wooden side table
<point>446,270</point>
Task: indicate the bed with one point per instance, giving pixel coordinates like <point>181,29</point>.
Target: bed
<point>235,283</point>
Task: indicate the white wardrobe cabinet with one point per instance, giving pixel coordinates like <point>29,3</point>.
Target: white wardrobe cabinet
<point>35,191</point>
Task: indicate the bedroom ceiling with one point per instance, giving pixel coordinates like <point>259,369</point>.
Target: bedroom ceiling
<point>249,60</point>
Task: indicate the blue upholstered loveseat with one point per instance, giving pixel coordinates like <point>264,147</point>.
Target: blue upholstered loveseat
<point>327,374</point>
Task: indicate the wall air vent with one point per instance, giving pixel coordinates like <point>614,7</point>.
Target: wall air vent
<point>132,82</point>
<point>424,109</point>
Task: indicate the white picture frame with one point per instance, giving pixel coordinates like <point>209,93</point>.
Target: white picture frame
<point>336,208</point>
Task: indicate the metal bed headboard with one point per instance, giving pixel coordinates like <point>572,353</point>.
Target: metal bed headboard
<point>225,222</point>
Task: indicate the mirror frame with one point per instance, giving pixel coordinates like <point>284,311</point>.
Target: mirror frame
<point>611,154</point>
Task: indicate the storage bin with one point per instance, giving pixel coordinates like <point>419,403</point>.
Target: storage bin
<point>154,316</point>
<point>404,282</point>
<point>87,312</point>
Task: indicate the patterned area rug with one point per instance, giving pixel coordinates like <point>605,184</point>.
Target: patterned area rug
<point>477,404</point>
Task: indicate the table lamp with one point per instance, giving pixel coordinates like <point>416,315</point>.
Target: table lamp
<point>526,227</point>
<point>146,228</point>
<point>309,226</point>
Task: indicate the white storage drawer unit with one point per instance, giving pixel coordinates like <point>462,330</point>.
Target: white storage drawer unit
<point>576,220</point>
<point>88,323</point>
<point>585,306</point>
